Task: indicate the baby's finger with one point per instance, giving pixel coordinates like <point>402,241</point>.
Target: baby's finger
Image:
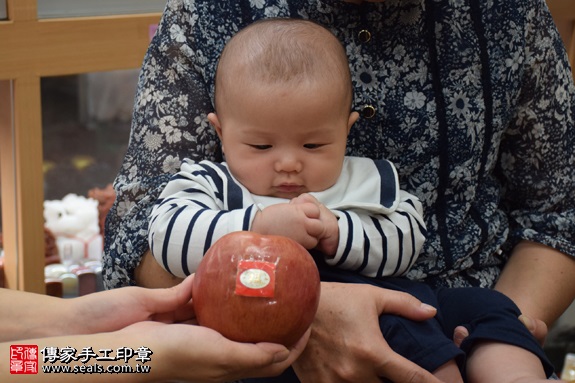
<point>315,228</point>
<point>305,198</point>
<point>310,210</point>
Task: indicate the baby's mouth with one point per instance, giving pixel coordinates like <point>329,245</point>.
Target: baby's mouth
<point>289,188</point>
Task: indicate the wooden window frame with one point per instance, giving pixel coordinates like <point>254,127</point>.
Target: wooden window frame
<point>29,50</point>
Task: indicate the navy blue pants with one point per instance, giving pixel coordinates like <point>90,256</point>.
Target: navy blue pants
<point>487,314</point>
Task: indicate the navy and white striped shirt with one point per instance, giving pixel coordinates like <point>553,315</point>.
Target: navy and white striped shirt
<point>381,228</point>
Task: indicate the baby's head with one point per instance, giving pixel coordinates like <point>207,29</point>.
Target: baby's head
<point>281,53</point>
<point>283,103</point>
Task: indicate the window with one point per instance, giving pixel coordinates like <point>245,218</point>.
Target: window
<point>3,14</point>
<point>35,52</point>
<point>85,129</point>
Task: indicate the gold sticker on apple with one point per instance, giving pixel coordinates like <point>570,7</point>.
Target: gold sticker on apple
<point>255,279</point>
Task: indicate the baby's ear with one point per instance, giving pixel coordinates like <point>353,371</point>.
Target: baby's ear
<point>353,116</point>
<point>215,122</point>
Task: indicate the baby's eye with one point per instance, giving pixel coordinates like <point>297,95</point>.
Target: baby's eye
<point>312,146</point>
<point>261,147</point>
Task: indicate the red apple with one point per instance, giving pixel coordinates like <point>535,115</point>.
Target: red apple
<point>257,288</point>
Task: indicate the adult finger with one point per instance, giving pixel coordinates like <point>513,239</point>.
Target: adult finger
<point>403,304</point>
<point>400,370</point>
<point>536,326</point>
<point>173,301</point>
<point>287,358</point>
<point>262,359</point>
<point>459,335</point>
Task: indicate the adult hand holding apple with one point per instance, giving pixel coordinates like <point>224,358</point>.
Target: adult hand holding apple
<point>257,288</point>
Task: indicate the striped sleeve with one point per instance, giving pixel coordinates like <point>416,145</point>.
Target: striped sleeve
<point>380,245</point>
<point>199,205</point>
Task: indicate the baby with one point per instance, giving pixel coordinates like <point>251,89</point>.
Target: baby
<point>283,99</point>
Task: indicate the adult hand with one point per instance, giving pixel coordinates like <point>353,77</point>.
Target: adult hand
<point>536,326</point>
<point>194,353</point>
<point>133,317</point>
<point>179,352</point>
<point>346,344</point>
<point>115,309</point>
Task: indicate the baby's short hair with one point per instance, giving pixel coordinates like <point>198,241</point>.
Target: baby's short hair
<point>281,51</point>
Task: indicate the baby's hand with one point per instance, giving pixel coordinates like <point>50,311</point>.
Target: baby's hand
<point>328,238</point>
<point>299,222</point>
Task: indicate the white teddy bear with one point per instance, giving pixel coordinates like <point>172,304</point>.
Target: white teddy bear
<point>74,222</point>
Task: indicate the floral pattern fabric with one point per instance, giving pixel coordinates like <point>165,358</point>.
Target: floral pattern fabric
<point>474,103</point>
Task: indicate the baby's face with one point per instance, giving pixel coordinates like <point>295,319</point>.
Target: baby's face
<point>284,142</point>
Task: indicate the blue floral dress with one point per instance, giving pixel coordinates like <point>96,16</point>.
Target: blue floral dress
<point>473,101</point>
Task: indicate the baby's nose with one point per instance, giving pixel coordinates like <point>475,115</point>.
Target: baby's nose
<point>288,164</point>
